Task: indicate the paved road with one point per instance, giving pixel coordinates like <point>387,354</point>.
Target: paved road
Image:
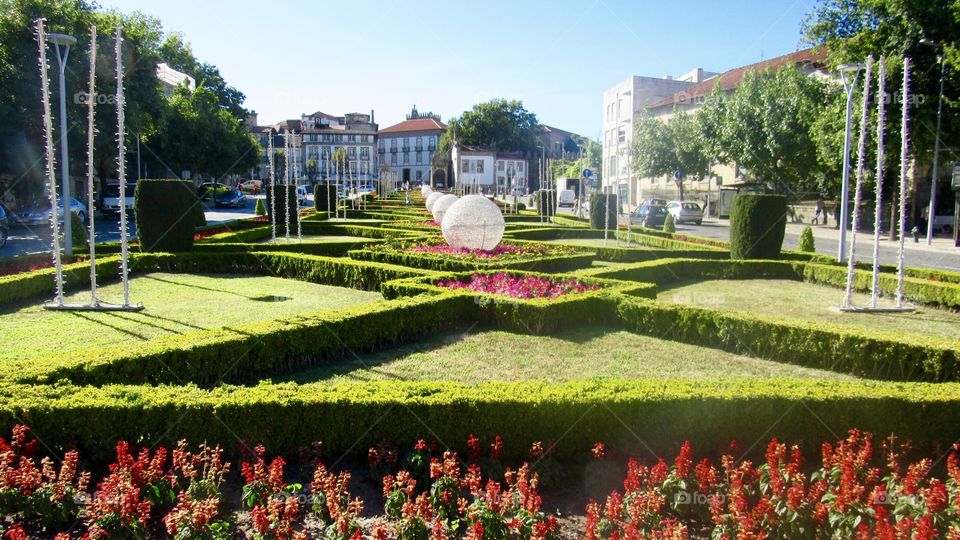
<point>25,240</point>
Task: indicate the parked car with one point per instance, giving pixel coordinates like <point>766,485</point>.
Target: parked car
<point>40,215</point>
<point>566,197</point>
<point>230,199</point>
<point>366,188</point>
<point>4,226</point>
<point>111,199</point>
<point>251,186</point>
<point>649,215</point>
<point>208,191</point>
<point>303,192</point>
<point>685,212</point>
<point>655,202</point>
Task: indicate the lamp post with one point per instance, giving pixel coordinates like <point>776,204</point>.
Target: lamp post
<point>931,212</point>
<point>61,44</point>
<point>849,73</point>
<point>580,194</point>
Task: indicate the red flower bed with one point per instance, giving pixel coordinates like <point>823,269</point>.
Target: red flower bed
<point>38,262</point>
<point>430,223</point>
<point>520,286</point>
<point>859,489</point>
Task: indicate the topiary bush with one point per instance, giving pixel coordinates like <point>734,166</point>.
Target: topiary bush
<point>78,231</point>
<point>291,200</point>
<point>546,202</point>
<point>807,243</point>
<point>599,203</point>
<point>669,226</point>
<point>260,209</point>
<point>325,197</point>
<point>757,225</point>
<point>167,212</point>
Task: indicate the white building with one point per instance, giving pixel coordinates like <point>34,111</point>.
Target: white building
<point>323,134</point>
<point>622,106</point>
<point>170,79</point>
<point>406,149</point>
<point>483,169</point>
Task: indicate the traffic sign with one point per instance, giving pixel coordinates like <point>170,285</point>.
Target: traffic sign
<point>587,173</point>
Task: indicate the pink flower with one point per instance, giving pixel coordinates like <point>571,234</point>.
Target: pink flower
<point>520,286</point>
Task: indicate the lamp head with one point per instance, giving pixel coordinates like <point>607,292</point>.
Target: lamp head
<point>61,39</point>
<point>851,68</point>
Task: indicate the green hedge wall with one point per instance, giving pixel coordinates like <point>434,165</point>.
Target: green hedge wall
<point>546,202</point>
<point>166,212</point>
<point>757,226</point>
<point>285,194</point>
<point>427,261</point>
<point>661,414</point>
<point>325,197</point>
<point>870,353</point>
<point>599,204</point>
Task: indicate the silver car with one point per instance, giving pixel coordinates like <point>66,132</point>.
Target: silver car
<point>40,216</point>
<point>685,212</point>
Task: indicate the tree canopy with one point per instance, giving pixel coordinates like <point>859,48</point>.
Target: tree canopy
<point>500,123</point>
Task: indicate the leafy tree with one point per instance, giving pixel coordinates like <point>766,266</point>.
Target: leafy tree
<point>311,169</point>
<point>664,147</point>
<point>852,29</point>
<point>178,54</point>
<point>500,123</point>
<point>765,127</point>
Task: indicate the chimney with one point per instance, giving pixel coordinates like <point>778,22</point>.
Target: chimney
<point>371,116</point>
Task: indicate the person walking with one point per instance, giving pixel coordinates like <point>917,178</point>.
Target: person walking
<point>818,211</point>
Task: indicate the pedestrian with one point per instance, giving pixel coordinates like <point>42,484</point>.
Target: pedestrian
<point>818,211</point>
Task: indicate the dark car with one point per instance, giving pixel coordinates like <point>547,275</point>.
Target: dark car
<point>4,226</point>
<point>649,215</point>
<point>230,199</point>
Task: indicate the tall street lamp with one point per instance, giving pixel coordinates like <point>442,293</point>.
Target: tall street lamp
<point>62,44</point>
<point>931,212</point>
<point>849,73</point>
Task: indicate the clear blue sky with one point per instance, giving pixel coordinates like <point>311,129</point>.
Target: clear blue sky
<point>292,57</point>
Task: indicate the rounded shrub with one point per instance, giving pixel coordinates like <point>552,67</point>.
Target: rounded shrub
<point>807,243</point>
<point>261,208</point>
<point>669,225</point>
<point>285,194</point>
<point>546,202</point>
<point>78,231</point>
<point>325,197</point>
<point>757,226</point>
<point>166,212</point>
<point>599,203</point>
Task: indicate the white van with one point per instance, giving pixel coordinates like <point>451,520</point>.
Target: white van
<point>566,197</point>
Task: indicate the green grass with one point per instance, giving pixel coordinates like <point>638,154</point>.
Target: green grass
<point>589,242</point>
<point>311,238</point>
<point>174,304</point>
<point>581,353</point>
<point>799,300</point>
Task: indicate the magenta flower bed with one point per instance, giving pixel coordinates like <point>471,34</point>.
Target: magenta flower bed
<point>520,286</point>
<point>430,223</point>
<point>503,249</point>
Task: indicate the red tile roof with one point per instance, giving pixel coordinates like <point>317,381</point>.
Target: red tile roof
<point>731,79</point>
<point>416,124</point>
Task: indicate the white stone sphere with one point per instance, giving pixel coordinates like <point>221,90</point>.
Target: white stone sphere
<point>473,222</point>
<point>426,190</point>
<point>442,205</point>
<point>432,199</point>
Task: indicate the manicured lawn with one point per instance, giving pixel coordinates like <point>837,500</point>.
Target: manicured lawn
<point>175,304</point>
<point>796,299</point>
<point>311,238</point>
<point>581,353</point>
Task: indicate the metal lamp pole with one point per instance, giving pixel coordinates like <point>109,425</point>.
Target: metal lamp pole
<point>931,213</point>
<point>62,43</point>
<point>580,194</point>
<point>849,73</point>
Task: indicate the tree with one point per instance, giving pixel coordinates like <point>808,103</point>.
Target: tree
<point>764,126</point>
<point>664,147</point>
<point>852,29</point>
<point>311,169</point>
<point>178,54</point>
<point>500,123</point>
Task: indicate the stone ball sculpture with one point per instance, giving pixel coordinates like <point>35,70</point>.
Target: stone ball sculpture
<point>442,205</point>
<point>473,222</point>
<point>426,190</point>
<point>432,199</point>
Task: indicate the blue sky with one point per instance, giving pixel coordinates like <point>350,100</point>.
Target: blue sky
<point>291,56</point>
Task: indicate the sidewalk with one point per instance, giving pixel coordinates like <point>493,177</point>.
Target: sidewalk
<point>941,244</point>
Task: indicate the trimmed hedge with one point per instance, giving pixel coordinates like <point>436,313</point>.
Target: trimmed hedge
<point>661,414</point>
<point>166,213</point>
<point>325,197</point>
<point>757,226</point>
<point>603,206</point>
<point>867,353</point>
<point>286,194</point>
<point>546,202</point>
<point>324,249</point>
<point>436,262</point>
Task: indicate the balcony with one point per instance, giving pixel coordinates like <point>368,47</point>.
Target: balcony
<point>393,150</point>
<point>419,148</point>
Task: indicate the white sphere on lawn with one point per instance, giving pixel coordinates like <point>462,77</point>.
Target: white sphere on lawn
<point>426,190</point>
<point>442,205</point>
<point>432,199</point>
<point>473,222</point>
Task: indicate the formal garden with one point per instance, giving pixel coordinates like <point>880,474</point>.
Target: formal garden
<point>373,378</point>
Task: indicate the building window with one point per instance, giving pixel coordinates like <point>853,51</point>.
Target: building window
<point>465,166</point>
<point>419,143</point>
<point>419,157</point>
<point>500,165</point>
<point>419,176</point>
<point>480,166</point>
<point>520,167</point>
<point>406,158</point>
<point>352,152</point>
<point>365,152</point>
<point>393,159</point>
